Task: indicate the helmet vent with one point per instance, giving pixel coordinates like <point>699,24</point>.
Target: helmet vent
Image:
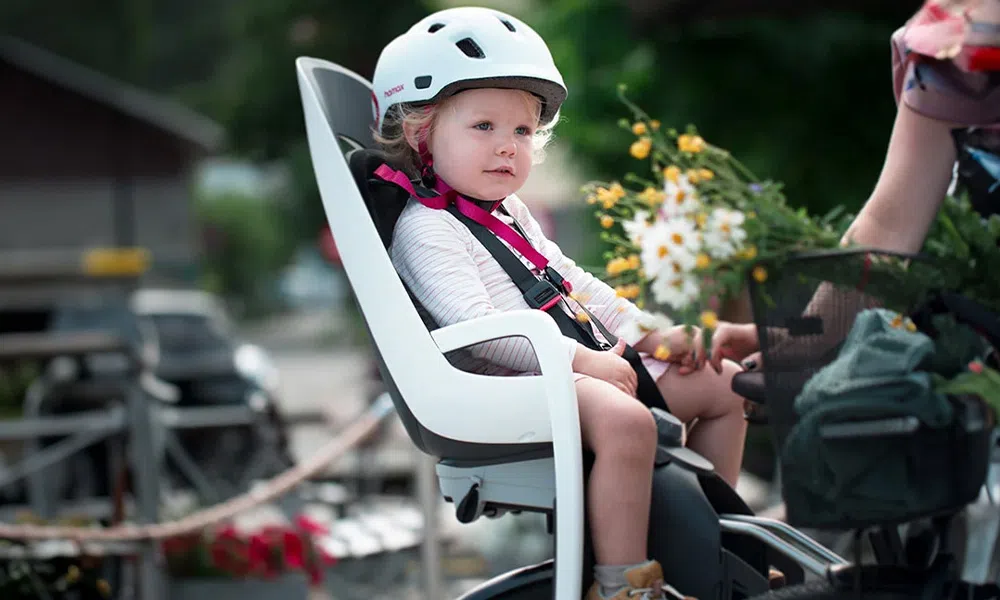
<point>423,82</point>
<point>507,24</point>
<point>470,48</point>
<point>435,27</point>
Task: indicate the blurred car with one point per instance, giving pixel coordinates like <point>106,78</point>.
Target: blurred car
<point>198,352</point>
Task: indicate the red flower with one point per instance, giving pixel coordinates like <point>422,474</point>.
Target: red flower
<point>259,555</point>
<point>310,525</point>
<point>295,550</point>
<point>976,367</point>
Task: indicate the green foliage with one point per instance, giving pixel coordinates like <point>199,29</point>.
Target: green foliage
<point>960,239</point>
<point>244,247</point>
<point>807,102</point>
<point>14,382</point>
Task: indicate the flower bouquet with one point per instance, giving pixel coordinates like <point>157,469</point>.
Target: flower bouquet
<point>687,234</point>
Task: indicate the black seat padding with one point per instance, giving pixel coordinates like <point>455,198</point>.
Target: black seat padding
<point>385,203</point>
<point>750,385</point>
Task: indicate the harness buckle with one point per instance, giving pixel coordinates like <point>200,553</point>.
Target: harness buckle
<point>553,276</point>
<point>542,295</point>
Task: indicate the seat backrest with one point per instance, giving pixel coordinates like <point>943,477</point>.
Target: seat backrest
<point>338,115</point>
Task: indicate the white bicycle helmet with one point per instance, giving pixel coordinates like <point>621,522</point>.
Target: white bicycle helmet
<point>463,48</point>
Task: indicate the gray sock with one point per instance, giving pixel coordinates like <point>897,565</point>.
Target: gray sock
<point>611,578</point>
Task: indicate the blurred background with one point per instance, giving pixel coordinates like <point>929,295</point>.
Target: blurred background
<point>176,127</point>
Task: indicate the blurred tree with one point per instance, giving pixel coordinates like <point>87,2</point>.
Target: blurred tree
<point>804,100</point>
<point>798,90</point>
<point>255,93</point>
<point>243,248</point>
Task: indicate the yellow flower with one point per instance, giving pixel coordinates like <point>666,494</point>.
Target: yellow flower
<point>591,199</point>
<point>652,196</point>
<point>700,219</point>
<point>749,253</point>
<point>616,266</point>
<point>690,143</point>
<point>672,173</point>
<point>760,274</point>
<point>709,320</point>
<point>629,291</point>
<point>607,221</point>
<point>604,195</point>
<point>640,148</point>
<point>702,261</point>
<point>654,125</point>
<point>633,261</point>
<point>693,176</point>
<point>706,174</point>
<point>661,353</point>
<point>617,190</point>
<point>639,128</point>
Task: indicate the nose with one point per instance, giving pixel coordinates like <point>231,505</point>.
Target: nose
<point>507,147</point>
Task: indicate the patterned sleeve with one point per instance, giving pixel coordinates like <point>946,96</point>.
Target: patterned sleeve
<point>433,256</point>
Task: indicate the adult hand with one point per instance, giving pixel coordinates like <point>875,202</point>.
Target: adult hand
<point>735,341</point>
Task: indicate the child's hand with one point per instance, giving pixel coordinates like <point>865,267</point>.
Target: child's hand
<point>607,366</point>
<point>686,348</point>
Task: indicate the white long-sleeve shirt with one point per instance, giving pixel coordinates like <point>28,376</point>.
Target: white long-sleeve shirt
<point>455,278</point>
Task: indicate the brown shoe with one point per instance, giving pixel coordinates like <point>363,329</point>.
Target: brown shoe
<point>644,583</point>
<point>775,579</point>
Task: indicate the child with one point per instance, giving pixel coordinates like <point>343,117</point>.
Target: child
<point>466,97</point>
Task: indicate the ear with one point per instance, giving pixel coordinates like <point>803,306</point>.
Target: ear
<point>411,131</point>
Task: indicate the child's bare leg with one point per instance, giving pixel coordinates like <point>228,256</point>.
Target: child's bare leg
<point>708,396</point>
<point>622,435</point>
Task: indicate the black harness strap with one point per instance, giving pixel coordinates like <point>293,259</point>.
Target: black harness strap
<point>547,290</point>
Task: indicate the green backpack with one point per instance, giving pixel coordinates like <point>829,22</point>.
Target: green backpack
<point>874,443</point>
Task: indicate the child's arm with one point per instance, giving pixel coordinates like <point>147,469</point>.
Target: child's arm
<point>433,256</point>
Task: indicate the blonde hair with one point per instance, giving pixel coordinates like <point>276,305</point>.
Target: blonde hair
<point>397,148</point>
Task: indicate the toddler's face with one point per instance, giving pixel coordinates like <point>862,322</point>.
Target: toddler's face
<point>482,141</point>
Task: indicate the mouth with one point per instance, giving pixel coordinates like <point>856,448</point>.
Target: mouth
<point>502,172</point>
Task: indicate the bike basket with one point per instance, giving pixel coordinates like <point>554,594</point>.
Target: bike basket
<point>862,437</point>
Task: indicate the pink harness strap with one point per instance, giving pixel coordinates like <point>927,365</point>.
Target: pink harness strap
<point>447,195</point>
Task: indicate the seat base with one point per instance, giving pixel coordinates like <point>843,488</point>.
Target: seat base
<point>490,489</point>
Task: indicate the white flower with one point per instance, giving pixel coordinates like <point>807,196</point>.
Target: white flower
<point>681,200</point>
<point>654,248</point>
<point>724,233</point>
<point>644,322</point>
<point>682,235</point>
<point>677,292</point>
<point>636,226</point>
<point>669,248</point>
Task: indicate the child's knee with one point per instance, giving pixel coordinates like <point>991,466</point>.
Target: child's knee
<point>734,400</point>
<point>633,429</point>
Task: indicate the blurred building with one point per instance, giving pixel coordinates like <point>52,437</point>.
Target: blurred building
<point>87,161</point>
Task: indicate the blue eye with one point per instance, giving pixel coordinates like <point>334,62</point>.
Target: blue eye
<point>484,126</point>
<point>523,130</point>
